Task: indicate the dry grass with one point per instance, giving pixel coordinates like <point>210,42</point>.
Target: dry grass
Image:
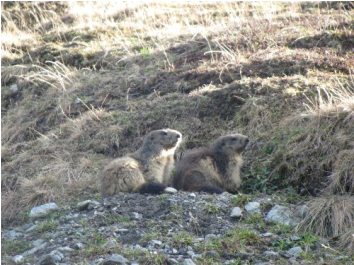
<point>330,216</point>
<point>94,77</point>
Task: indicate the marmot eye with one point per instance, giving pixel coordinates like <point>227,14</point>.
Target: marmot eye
<point>164,133</point>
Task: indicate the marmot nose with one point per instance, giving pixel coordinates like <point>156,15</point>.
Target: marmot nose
<point>178,136</point>
<point>247,140</point>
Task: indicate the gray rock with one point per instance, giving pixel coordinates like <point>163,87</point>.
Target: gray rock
<point>172,261</point>
<point>111,243</point>
<point>295,238</point>
<point>210,236</point>
<point>31,228</point>
<point>281,214</point>
<point>11,234</point>
<point>34,250</point>
<point>137,216</point>
<point>57,255</point>
<point>295,251</point>
<point>267,234</point>
<point>236,212</point>
<point>155,242</point>
<point>301,211</point>
<point>115,259</point>
<point>18,259</point>
<point>14,88</point>
<point>37,242</point>
<point>271,254</point>
<point>78,246</point>
<point>191,253</point>
<point>188,262</point>
<point>87,205</point>
<point>253,207</point>
<point>43,210</point>
<point>192,195</point>
<point>170,190</point>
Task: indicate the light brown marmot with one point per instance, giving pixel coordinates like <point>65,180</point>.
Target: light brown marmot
<point>147,170</point>
<point>212,169</point>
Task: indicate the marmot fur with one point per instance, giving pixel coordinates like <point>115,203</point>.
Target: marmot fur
<point>147,170</point>
<point>212,169</point>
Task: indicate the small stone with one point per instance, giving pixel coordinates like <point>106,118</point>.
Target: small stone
<point>47,260</point>
<point>37,242</point>
<point>295,251</point>
<point>295,238</point>
<point>18,259</point>
<point>210,236</point>
<point>172,261</point>
<point>190,253</point>
<point>170,190</point>
<point>87,205</point>
<point>192,195</point>
<point>57,255</point>
<point>271,254</point>
<point>43,210</point>
<point>281,214</point>
<point>12,234</point>
<point>267,234</point>
<point>188,262</point>
<point>236,212</point>
<point>174,251</point>
<point>78,246</point>
<point>111,243</point>
<point>31,228</point>
<point>34,250</point>
<point>301,211</point>
<point>137,216</point>
<point>115,259</point>
<point>253,207</point>
<point>156,242</point>
<point>14,88</point>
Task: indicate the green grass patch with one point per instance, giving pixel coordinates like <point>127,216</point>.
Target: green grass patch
<point>14,247</point>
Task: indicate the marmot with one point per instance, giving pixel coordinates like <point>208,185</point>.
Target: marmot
<point>147,170</point>
<point>212,169</point>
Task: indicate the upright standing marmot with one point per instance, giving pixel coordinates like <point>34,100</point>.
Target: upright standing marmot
<point>212,169</point>
<point>147,170</point>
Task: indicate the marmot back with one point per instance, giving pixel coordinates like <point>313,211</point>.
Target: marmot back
<point>146,170</point>
<point>213,169</point>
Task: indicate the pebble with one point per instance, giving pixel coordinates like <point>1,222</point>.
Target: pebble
<point>236,212</point>
<point>170,190</point>
<point>271,254</point>
<point>188,262</point>
<point>115,259</point>
<point>18,259</point>
<point>295,251</point>
<point>87,205</point>
<point>253,207</point>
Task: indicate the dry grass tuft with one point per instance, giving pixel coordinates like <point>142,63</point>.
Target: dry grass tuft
<point>329,216</point>
<point>347,240</point>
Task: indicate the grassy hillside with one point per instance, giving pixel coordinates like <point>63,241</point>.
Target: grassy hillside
<point>82,83</point>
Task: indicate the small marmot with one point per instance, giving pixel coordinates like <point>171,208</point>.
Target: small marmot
<point>147,170</point>
<point>212,169</point>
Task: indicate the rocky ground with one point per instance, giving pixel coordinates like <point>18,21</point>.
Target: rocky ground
<point>171,228</point>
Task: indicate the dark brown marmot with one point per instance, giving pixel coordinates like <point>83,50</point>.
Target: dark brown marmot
<point>148,170</point>
<point>212,169</point>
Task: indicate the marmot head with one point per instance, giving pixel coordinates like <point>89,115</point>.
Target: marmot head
<point>162,140</point>
<point>230,144</point>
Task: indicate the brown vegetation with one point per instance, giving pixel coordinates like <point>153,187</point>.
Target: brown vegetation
<point>82,83</point>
